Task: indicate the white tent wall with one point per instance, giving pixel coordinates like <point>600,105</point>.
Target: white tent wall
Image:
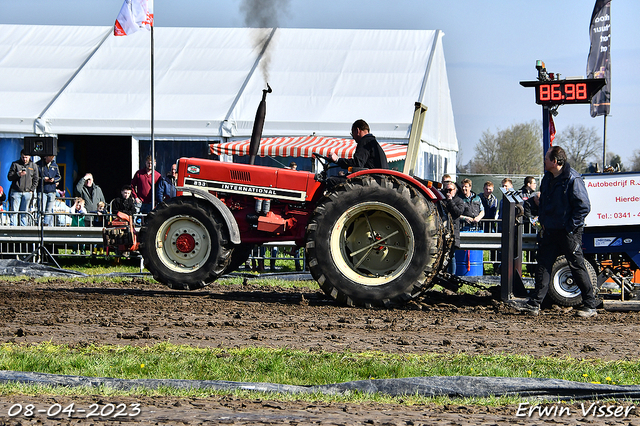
<point>439,141</point>
<point>195,84</point>
<point>208,82</point>
<point>35,64</point>
<point>325,80</point>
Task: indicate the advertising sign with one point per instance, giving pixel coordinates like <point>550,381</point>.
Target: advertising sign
<point>615,199</point>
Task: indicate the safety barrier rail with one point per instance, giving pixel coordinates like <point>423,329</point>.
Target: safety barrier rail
<point>79,234</point>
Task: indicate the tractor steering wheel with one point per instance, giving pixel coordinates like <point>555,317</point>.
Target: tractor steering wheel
<point>325,161</point>
<point>326,165</point>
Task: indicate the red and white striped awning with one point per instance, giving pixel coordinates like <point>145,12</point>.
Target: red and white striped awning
<point>304,146</point>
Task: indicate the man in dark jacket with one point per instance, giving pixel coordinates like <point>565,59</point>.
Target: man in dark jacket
<point>529,188</point>
<point>456,208</point>
<point>368,155</point>
<point>564,204</point>
<point>50,175</point>
<point>24,178</point>
<point>91,193</point>
<point>474,210</point>
<point>167,185</point>
<point>489,201</point>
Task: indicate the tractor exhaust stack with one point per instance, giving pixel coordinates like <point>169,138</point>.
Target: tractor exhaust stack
<point>258,125</point>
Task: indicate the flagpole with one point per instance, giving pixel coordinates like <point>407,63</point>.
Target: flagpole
<point>153,141</point>
<point>136,14</point>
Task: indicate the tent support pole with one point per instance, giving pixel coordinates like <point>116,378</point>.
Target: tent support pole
<point>153,140</point>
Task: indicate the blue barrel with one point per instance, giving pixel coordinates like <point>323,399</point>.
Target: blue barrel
<point>469,263</point>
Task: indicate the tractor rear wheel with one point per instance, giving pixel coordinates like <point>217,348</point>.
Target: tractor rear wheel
<point>239,255</point>
<point>184,244</point>
<point>374,241</point>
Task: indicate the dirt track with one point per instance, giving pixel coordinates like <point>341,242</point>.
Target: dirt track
<point>143,313</point>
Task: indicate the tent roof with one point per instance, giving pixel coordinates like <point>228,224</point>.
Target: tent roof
<point>208,82</point>
<point>305,147</point>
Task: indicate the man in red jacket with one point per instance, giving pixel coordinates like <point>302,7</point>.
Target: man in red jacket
<point>143,184</point>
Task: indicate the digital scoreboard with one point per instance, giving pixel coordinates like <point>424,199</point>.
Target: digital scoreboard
<point>559,92</point>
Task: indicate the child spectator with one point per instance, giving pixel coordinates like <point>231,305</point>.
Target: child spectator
<point>99,218</point>
<point>125,204</point>
<point>78,212</point>
<point>60,207</point>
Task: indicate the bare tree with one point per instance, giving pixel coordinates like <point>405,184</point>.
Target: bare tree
<point>581,145</point>
<point>486,158</point>
<point>634,166</point>
<point>516,150</point>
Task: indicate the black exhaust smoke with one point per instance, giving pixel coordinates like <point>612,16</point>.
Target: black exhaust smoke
<point>258,125</point>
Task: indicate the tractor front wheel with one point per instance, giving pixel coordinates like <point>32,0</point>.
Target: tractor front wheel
<point>184,244</point>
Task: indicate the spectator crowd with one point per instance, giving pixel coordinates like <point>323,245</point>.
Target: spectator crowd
<point>35,189</point>
<point>469,209</point>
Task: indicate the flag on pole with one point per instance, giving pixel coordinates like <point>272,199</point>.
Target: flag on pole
<point>552,129</point>
<point>135,14</point>
<point>599,61</point>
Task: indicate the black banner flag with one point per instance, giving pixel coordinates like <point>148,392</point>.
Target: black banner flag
<point>599,61</point>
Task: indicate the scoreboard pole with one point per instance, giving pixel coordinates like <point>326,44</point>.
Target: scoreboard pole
<point>546,132</point>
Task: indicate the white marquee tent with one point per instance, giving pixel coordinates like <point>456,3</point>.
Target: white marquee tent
<point>67,80</point>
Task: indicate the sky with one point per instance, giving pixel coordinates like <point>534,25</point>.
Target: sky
<point>489,47</point>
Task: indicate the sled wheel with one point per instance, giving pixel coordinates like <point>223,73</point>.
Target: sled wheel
<point>562,289</point>
<point>184,244</point>
<point>374,241</point>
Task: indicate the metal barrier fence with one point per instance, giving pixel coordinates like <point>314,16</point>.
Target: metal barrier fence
<point>86,240</point>
<point>264,258</point>
<point>71,234</point>
<point>492,244</point>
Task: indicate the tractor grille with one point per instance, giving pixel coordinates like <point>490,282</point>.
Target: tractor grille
<point>240,175</point>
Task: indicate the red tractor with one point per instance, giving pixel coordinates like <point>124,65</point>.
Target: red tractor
<point>377,240</point>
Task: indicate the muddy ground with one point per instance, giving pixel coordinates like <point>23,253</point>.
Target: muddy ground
<point>140,312</point>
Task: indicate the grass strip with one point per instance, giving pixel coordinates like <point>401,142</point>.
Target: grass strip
<point>286,366</point>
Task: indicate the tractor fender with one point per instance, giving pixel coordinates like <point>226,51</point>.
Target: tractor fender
<point>430,192</point>
<point>232,225</point>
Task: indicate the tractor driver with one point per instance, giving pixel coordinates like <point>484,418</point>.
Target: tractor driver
<point>368,154</point>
